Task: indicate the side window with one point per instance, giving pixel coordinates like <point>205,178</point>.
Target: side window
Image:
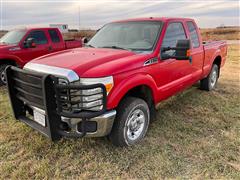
<point>193,34</point>
<point>39,37</point>
<point>54,36</point>
<point>174,32</point>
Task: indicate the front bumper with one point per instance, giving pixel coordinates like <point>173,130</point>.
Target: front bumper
<point>30,92</point>
<point>103,122</point>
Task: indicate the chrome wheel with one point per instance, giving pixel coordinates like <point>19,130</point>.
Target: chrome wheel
<point>213,78</point>
<point>131,122</point>
<point>3,77</point>
<point>135,124</point>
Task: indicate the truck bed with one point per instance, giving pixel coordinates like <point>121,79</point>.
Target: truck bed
<point>206,43</point>
<point>72,43</point>
<point>213,49</point>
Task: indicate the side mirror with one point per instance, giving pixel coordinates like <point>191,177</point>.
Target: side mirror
<point>29,43</point>
<point>181,51</point>
<point>85,40</point>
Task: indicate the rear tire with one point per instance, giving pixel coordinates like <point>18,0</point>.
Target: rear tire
<point>3,80</point>
<point>131,123</point>
<point>210,82</point>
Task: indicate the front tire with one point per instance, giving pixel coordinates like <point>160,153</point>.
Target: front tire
<point>3,80</point>
<point>131,122</point>
<point>209,83</point>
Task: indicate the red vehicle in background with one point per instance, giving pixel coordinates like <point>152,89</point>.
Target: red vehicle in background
<point>19,46</point>
<point>111,86</point>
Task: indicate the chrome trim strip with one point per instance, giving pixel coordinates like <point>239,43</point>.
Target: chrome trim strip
<point>62,72</point>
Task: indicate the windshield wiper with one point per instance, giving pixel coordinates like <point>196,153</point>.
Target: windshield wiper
<point>115,47</point>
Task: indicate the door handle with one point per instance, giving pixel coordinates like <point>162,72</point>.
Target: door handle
<point>50,48</point>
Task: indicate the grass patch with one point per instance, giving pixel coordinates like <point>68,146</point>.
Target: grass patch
<point>196,135</point>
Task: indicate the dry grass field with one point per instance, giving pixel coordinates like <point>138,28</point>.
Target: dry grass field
<point>196,135</point>
<point>221,34</point>
<point>81,34</point>
<point>2,33</point>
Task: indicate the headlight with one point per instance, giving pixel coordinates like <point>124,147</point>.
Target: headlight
<point>93,97</point>
<point>106,81</point>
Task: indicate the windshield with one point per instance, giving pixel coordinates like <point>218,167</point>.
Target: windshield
<point>13,37</point>
<point>136,36</point>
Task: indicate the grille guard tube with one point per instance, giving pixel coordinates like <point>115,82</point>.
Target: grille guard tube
<point>27,88</point>
<point>84,114</point>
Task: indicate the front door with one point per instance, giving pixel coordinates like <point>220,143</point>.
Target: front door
<point>173,74</point>
<point>42,46</point>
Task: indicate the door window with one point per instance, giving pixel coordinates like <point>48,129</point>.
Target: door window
<point>54,36</point>
<point>38,36</point>
<point>193,34</point>
<point>174,32</point>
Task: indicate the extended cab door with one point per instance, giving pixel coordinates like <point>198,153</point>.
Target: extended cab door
<point>197,51</point>
<point>173,74</point>
<point>57,43</point>
<point>42,46</point>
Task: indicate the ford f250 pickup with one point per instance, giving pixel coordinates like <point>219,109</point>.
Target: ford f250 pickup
<point>19,46</point>
<point>111,86</point>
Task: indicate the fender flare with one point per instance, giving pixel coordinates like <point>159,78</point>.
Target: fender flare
<point>121,89</point>
<point>216,54</point>
<point>12,58</point>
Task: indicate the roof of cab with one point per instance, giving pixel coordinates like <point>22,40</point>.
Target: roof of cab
<point>35,28</point>
<point>164,19</point>
<point>40,28</point>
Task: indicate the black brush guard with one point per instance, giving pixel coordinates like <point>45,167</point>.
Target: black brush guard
<point>30,89</point>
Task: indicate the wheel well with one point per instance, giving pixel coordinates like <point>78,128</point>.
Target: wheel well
<point>143,92</point>
<point>217,61</point>
<point>8,61</point>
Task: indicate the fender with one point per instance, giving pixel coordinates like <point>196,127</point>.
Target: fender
<point>16,59</point>
<point>121,89</point>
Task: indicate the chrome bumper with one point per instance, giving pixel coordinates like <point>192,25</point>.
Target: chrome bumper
<point>104,124</point>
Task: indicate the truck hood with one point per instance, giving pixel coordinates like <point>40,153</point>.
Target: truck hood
<point>92,62</point>
<point>3,45</point>
<point>6,47</point>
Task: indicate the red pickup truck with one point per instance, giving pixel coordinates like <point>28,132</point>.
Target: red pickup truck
<point>19,46</point>
<point>110,87</point>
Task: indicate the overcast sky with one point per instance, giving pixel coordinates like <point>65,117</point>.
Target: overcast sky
<point>95,13</point>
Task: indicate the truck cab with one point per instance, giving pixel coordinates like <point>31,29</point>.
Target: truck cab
<point>19,46</point>
<point>111,86</point>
